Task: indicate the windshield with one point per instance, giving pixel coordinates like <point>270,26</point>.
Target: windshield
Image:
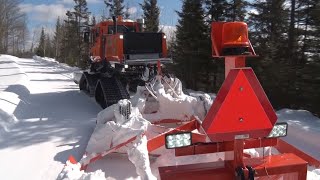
<point>121,29</point>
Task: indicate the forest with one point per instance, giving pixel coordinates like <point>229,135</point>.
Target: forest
<point>284,33</point>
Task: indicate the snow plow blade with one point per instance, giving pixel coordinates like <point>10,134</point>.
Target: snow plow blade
<point>285,147</point>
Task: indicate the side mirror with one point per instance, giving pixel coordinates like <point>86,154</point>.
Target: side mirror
<point>86,37</point>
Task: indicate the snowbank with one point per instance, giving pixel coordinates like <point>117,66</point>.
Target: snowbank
<point>304,130</point>
<point>75,72</point>
<point>53,61</point>
<point>8,104</point>
<point>10,77</point>
<point>53,120</point>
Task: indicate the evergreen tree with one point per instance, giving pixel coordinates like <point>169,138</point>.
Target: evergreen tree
<point>236,10</point>
<point>307,56</point>
<point>41,47</point>
<point>269,27</point>
<point>308,24</point>
<point>192,48</point>
<point>127,13</point>
<point>70,49</point>
<point>151,14</point>
<point>216,10</point>
<point>292,34</point>
<point>75,51</point>
<point>48,47</point>
<point>57,39</point>
<point>93,21</point>
<point>116,7</point>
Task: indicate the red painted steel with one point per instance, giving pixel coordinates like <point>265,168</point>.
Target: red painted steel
<point>204,171</point>
<point>284,147</point>
<point>224,146</point>
<point>238,145</point>
<point>216,38</point>
<point>241,108</point>
<point>286,166</point>
<point>232,62</point>
<point>282,164</point>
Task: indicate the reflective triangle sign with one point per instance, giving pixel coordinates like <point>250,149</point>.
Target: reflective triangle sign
<point>240,110</point>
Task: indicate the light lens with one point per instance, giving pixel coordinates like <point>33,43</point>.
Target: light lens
<point>164,37</point>
<point>178,140</point>
<point>121,36</point>
<point>279,130</point>
<point>235,33</point>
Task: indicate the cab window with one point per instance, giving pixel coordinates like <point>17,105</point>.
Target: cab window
<point>121,29</point>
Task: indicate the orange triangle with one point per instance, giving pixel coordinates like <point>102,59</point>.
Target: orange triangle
<point>241,109</point>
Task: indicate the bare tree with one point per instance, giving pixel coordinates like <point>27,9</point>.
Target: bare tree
<point>13,29</point>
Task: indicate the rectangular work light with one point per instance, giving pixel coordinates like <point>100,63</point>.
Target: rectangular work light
<point>177,140</point>
<point>279,130</point>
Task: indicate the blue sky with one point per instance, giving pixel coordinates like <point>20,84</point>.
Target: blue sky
<point>43,13</point>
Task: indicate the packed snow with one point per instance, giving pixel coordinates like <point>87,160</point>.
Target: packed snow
<point>44,119</point>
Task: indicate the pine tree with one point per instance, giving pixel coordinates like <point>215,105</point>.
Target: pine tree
<point>236,10</point>
<point>115,8</point>
<point>70,49</point>
<point>41,51</point>
<point>127,12</point>
<point>151,14</point>
<point>57,39</point>
<point>308,13</point>
<point>48,47</point>
<point>216,10</point>
<point>75,51</point>
<point>192,47</point>
<point>93,21</point>
<point>307,61</point>
<point>269,27</point>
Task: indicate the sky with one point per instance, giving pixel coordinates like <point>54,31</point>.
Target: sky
<point>44,13</point>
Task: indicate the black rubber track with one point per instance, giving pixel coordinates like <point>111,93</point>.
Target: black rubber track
<point>109,90</point>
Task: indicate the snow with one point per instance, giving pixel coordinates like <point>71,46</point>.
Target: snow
<point>44,119</point>
<point>73,172</point>
<point>304,130</point>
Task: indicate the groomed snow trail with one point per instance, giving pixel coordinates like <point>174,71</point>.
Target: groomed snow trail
<point>54,119</point>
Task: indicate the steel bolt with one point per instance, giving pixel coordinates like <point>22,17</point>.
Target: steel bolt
<point>241,88</point>
<point>241,119</point>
